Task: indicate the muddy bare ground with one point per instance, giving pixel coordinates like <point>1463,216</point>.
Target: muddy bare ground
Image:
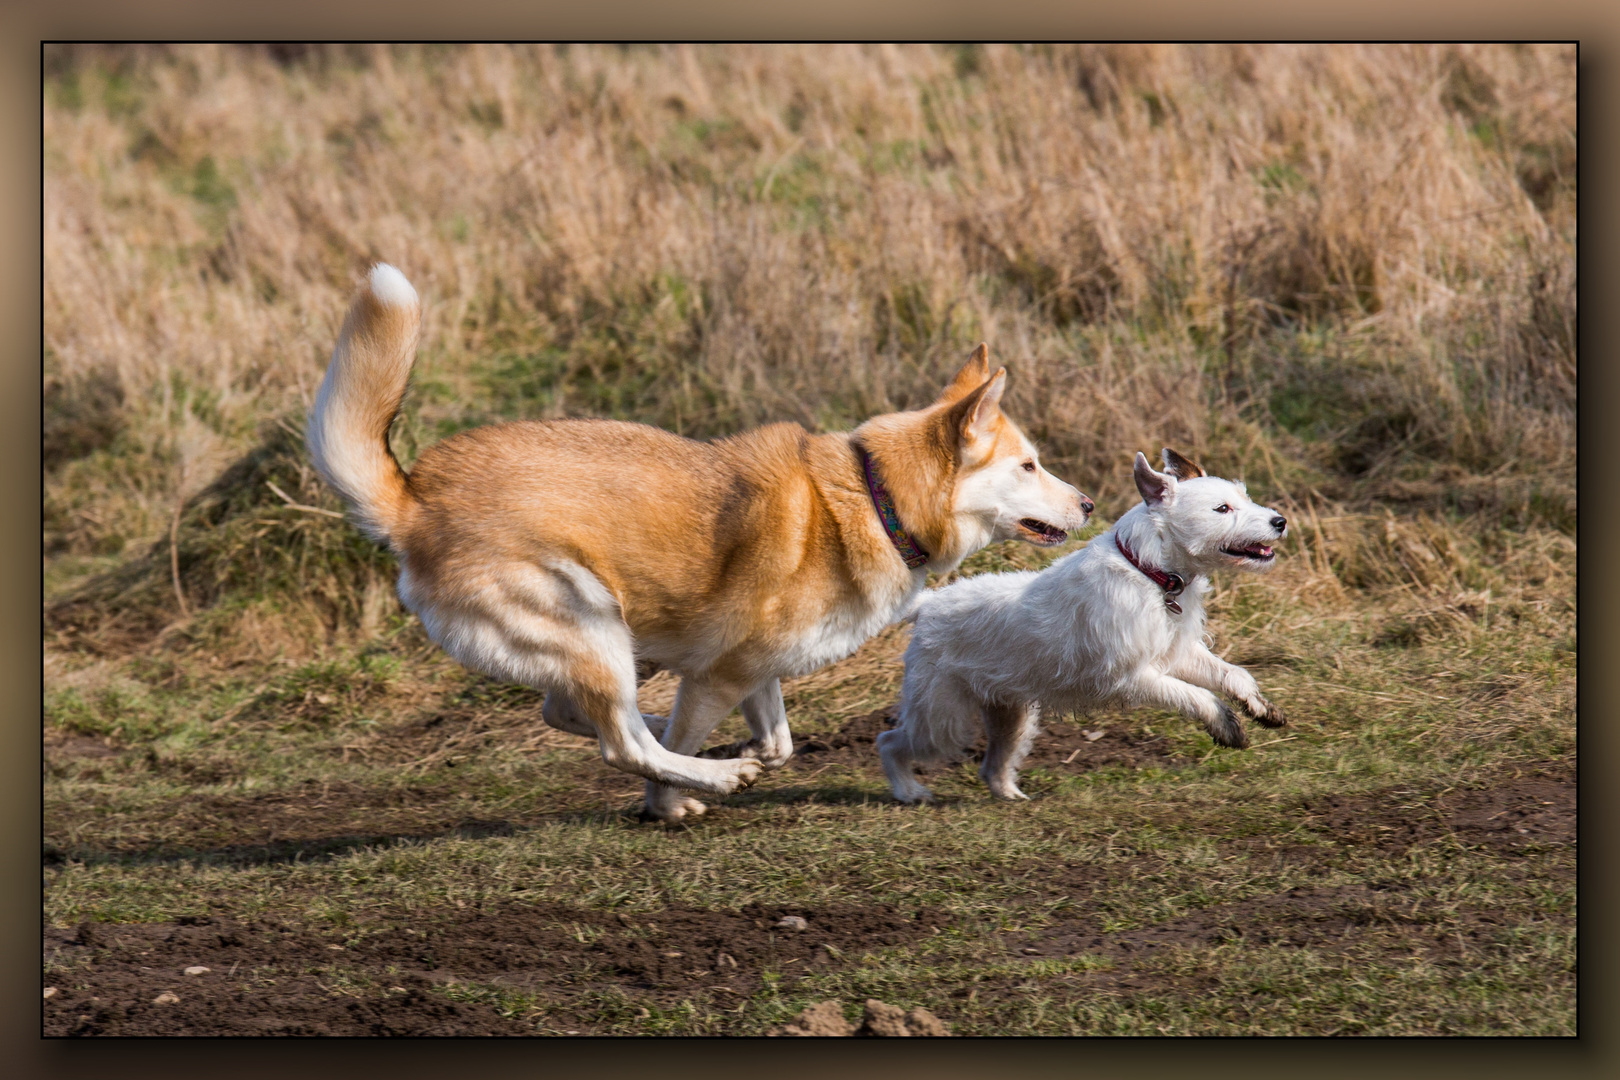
<point>269,979</point>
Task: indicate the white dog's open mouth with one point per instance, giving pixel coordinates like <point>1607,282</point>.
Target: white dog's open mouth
<point>1257,552</point>
<point>1041,533</point>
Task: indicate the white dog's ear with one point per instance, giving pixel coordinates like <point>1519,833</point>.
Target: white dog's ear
<point>1179,467</point>
<point>1155,487</point>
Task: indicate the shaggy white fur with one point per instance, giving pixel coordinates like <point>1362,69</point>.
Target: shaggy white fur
<point>1092,628</point>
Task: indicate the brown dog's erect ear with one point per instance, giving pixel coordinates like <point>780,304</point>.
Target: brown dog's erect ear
<point>970,378</point>
<point>1155,487</point>
<point>1179,467</point>
<point>977,413</point>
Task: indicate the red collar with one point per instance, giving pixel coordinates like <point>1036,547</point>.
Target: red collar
<point>1172,584</point>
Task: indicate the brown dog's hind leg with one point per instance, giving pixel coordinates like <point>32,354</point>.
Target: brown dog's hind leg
<point>560,712</point>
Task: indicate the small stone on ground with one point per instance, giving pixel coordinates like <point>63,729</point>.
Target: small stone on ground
<point>166,998</point>
<point>50,991</point>
<point>792,922</point>
<point>197,969</point>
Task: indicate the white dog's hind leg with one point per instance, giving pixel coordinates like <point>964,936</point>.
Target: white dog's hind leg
<point>894,748</point>
<point>1152,686</point>
<point>1009,732</point>
<point>700,705</point>
<point>938,717</point>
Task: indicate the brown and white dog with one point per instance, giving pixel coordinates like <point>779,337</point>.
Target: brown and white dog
<point>567,554</point>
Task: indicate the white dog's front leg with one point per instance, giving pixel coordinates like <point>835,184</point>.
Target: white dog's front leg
<point>1154,687</point>
<point>1203,668</point>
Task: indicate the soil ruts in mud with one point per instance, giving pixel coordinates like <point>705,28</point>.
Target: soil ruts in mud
<point>1061,746</point>
<point>266,979</point>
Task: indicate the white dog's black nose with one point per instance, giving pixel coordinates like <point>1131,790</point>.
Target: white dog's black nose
<point>1279,523</point>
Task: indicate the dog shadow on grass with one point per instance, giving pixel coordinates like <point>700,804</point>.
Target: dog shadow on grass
<point>279,852</point>
<point>323,848</point>
<point>803,794</point>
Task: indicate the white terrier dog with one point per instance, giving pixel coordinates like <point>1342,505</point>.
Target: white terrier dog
<point>1120,620</point>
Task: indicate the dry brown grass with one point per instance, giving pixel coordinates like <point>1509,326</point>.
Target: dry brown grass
<point>1346,273</point>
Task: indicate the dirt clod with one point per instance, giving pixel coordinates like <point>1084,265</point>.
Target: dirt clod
<point>924,1024</point>
<point>821,1020</point>
<point>891,1021</point>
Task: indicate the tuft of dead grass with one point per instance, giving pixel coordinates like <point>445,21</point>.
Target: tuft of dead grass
<point>1325,264</point>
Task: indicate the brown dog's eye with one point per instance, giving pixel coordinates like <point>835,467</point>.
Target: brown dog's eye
<point>1223,509</point>
<point>1029,466</point>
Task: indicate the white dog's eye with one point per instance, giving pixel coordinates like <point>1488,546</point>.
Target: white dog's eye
<point>1223,509</point>
<point>1029,466</point>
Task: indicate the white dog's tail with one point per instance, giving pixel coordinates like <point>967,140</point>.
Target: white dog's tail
<point>347,434</point>
<point>918,602</point>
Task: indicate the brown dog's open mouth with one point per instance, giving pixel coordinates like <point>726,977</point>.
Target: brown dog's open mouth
<point>1041,533</point>
<point>1257,552</point>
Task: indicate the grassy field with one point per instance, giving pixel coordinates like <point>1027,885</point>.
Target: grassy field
<point>1345,274</point>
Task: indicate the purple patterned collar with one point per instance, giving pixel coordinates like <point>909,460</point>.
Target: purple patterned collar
<point>904,542</point>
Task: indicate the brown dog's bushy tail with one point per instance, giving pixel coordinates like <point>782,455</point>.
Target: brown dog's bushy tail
<point>347,434</point>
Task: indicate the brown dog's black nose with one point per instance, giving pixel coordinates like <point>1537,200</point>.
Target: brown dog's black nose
<point>1279,523</point>
<point>1086,505</point>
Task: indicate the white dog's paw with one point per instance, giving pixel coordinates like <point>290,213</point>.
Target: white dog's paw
<point>1226,729</point>
<point>910,792</point>
<point>672,811</point>
<point>1264,711</point>
<point>1008,791</point>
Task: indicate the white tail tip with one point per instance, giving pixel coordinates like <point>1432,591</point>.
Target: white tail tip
<point>391,287</point>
